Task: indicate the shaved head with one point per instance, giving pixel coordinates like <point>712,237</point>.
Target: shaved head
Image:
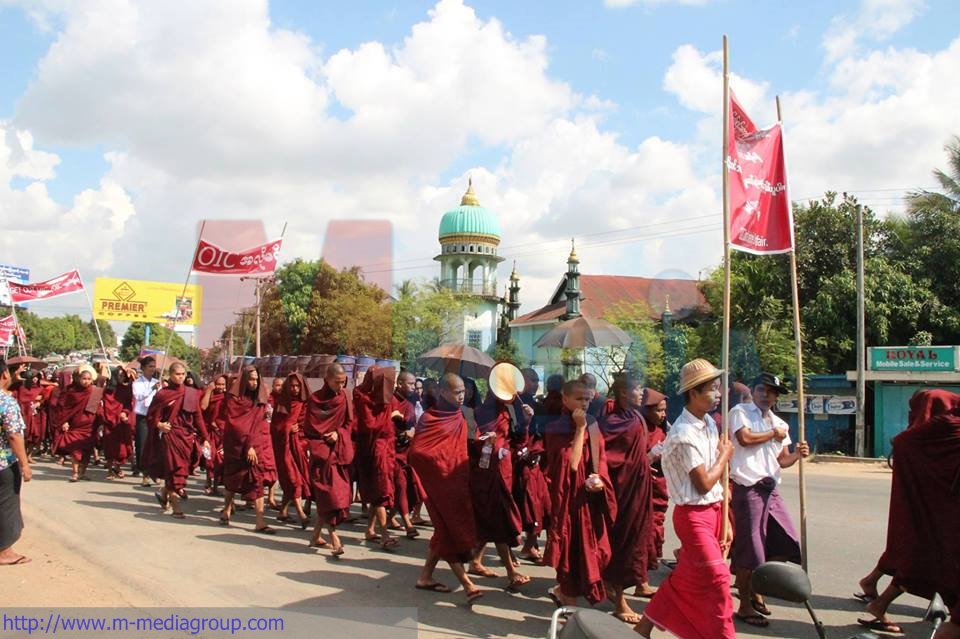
<point>450,380</point>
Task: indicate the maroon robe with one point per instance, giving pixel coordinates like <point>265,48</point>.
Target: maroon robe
<point>625,441</point>
<point>578,541</point>
<point>922,551</point>
<point>78,407</point>
<point>211,418</point>
<point>659,497</point>
<point>179,406</point>
<point>289,444</point>
<point>33,433</point>
<point>491,489</point>
<point>530,489</point>
<point>243,415</point>
<point>330,483</point>
<point>438,454</point>
<point>376,439</point>
<point>408,490</point>
<point>117,432</point>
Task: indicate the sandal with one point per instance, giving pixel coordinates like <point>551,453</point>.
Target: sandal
<point>119,474</point>
<point>413,533</point>
<point>178,515</point>
<point>755,620</point>
<point>320,543</point>
<point>337,552</point>
<point>283,517</point>
<point>631,618</point>
<point>22,559</point>
<point>517,581</point>
<point>266,530</point>
<point>433,586</point>
<point>304,523</point>
<point>473,596</point>
<point>486,572</point>
<point>224,519</point>
<point>552,596</point>
<point>761,607</point>
<point>881,625</point>
<point>864,597</point>
<point>390,544</point>
<point>208,490</point>
<point>74,478</point>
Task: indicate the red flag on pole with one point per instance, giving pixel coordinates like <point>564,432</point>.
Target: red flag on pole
<point>761,219</point>
<point>210,258</point>
<point>61,285</point>
<point>8,326</point>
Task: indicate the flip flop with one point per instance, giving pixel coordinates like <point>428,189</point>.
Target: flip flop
<point>224,521</point>
<point>390,544</point>
<point>880,626</point>
<point>631,618</point>
<point>554,598</point>
<point>413,533</point>
<point>337,552</point>
<point>645,594</point>
<point>864,597</point>
<point>757,621</point>
<point>517,581</point>
<point>473,596</point>
<point>761,607</point>
<point>178,515</point>
<point>22,559</point>
<point>266,530</point>
<point>486,572</point>
<point>160,500</point>
<point>434,586</point>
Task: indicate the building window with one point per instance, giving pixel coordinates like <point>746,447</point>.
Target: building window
<point>475,339</point>
<point>471,248</point>
<point>461,248</point>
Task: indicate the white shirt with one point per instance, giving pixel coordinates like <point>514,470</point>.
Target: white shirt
<point>143,394</point>
<point>691,442</point>
<point>750,464</point>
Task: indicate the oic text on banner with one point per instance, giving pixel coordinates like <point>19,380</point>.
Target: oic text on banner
<point>761,220</point>
<point>210,258</point>
<point>61,285</point>
<point>142,301</point>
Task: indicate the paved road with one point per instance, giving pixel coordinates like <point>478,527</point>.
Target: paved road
<point>107,543</point>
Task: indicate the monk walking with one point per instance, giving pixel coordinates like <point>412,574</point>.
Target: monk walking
<point>243,415</point>
<point>213,396</point>
<point>406,485</point>
<point>327,428</point>
<point>77,411</point>
<point>625,443</point>
<point>175,414</point>
<point>438,454</point>
<point>654,413</point>
<point>583,505</point>
<point>289,445</point>
<point>117,420</point>
<point>376,449</point>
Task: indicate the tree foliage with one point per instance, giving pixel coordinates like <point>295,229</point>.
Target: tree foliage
<point>63,334</point>
<point>424,316</point>
<point>133,341</point>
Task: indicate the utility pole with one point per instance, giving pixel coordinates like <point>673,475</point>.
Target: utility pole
<point>258,292</point>
<point>860,427</point>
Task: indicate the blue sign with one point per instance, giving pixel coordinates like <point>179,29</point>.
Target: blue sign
<point>20,274</point>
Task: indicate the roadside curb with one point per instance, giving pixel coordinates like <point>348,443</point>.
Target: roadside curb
<point>841,459</point>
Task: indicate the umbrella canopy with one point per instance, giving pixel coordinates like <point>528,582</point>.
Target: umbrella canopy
<point>584,332</point>
<point>458,358</point>
<point>32,362</point>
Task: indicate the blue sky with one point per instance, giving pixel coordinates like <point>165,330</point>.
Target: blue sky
<point>140,119</point>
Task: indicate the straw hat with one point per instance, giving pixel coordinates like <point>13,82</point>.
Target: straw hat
<point>505,380</point>
<point>696,372</point>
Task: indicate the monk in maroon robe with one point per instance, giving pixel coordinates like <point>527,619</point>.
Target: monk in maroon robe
<point>290,447</point>
<point>117,419</point>
<point>245,440</point>
<point>922,553</point>
<point>500,425</point>
<point>76,415</point>
<point>328,429</point>
<point>655,415</point>
<point>376,449</point>
<point>625,442</point>
<point>407,489</point>
<point>530,489</point>
<point>213,396</point>
<point>29,394</point>
<point>584,507</point>
<point>175,414</point>
<point>438,454</point>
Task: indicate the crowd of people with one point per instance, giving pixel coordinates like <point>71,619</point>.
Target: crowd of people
<point>595,474</point>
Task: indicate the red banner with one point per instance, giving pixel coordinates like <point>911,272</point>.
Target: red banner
<point>210,258</point>
<point>761,219</point>
<point>8,327</point>
<point>60,285</point>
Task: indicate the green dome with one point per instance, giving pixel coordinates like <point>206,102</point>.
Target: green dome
<point>469,219</point>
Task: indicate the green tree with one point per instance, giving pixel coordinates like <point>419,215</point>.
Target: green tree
<point>133,341</point>
<point>423,316</point>
<point>645,354</point>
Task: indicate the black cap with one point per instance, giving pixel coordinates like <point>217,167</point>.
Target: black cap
<point>771,380</point>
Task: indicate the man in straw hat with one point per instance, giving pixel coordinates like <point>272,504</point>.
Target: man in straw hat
<point>694,601</point>
<point>764,530</point>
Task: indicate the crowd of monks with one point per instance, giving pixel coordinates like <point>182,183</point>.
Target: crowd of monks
<point>502,469</point>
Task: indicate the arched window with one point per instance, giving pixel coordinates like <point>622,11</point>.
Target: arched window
<point>461,248</point>
<point>471,248</point>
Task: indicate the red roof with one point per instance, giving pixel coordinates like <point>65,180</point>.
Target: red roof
<point>600,293</point>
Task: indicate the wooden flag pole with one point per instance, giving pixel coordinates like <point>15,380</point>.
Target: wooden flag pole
<point>801,404</point>
<point>186,283</point>
<point>725,357</point>
<point>86,293</point>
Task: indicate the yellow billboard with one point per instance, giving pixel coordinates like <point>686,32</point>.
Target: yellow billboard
<point>140,301</point>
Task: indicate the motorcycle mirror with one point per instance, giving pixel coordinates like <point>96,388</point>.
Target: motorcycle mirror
<point>781,580</point>
<point>936,611</point>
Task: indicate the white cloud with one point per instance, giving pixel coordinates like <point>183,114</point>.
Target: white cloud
<point>875,20</point>
<point>619,4</point>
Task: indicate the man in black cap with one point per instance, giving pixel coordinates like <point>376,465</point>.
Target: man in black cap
<point>764,531</point>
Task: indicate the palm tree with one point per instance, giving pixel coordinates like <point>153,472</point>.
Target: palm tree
<point>948,201</point>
